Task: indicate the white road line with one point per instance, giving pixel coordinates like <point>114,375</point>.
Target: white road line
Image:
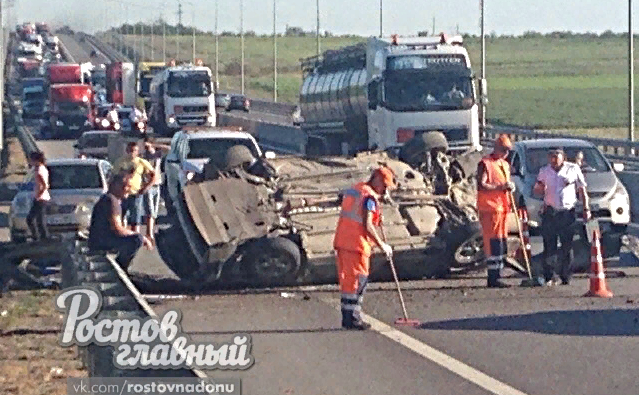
<point>467,372</point>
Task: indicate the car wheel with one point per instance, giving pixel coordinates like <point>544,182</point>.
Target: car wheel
<point>273,261</point>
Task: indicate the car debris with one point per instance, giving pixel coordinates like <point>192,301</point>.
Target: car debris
<point>272,223</point>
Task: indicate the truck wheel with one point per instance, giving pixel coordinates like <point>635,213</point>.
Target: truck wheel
<point>273,261</point>
<point>413,151</point>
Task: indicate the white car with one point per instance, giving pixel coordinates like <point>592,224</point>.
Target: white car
<point>94,144</point>
<point>609,200</point>
<point>181,165</point>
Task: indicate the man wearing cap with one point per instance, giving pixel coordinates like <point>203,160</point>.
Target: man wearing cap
<point>355,237</point>
<point>559,182</point>
<point>493,190</point>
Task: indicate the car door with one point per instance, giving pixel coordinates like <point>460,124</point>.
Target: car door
<point>516,172</point>
<point>173,164</point>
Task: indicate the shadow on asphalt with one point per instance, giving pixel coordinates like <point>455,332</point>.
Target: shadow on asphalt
<point>605,322</point>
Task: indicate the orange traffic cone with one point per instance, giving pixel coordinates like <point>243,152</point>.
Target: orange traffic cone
<point>598,287</point>
<point>526,248</point>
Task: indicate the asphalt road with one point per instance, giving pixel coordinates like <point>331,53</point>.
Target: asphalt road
<point>472,340</point>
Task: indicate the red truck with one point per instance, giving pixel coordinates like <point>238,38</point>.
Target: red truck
<point>29,68</point>
<point>70,111</point>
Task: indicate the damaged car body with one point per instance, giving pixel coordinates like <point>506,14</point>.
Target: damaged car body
<point>272,223</point>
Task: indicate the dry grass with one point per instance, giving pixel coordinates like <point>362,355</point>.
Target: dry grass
<point>31,361</point>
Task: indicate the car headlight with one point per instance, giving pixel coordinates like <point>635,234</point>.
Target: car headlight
<point>104,123</point>
<point>59,123</point>
<point>189,175</point>
<point>140,125</point>
<point>171,120</point>
<point>84,208</point>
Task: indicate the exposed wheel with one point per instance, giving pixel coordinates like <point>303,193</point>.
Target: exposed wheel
<point>170,246</point>
<point>414,150</point>
<point>466,248</point>
<point>273,261</point>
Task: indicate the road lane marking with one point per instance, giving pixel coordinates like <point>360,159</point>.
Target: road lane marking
<point>461,369</point>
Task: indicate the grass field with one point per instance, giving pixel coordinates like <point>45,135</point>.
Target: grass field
<point>552,83</point>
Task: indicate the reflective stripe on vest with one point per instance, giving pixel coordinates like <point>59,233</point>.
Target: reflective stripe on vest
<point>351,233</point>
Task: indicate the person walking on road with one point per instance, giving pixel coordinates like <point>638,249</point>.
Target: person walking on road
<point>355,237</point>
<point>560,182</point>
<point>141,179</point>
<point>107,232</point>
<point>153,155</point>
<point>36,219</point>
<point>493,193</point>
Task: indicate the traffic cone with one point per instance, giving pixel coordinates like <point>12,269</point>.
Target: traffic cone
<point>598,287</point>
<point>527,247</point>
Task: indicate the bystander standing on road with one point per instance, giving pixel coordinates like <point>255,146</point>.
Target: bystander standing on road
<point>36,219</point>
<point>153,154</point>
<point>560,182</point>
<point>107,231</point>
<point>141,179</point>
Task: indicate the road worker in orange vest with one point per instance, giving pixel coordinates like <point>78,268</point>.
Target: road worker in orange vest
<point>493,190</point>
<point>355,237</point>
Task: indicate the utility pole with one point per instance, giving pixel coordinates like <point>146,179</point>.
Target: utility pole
<point>179,31</point>
<point>434,26</point>
<point>242,40</point>
<point>631,77</point>
<point>163,36</point>
<point>483,87</point>
<point>152,44</point>
<point>193,30</point>
<point>2,55</point>
<point>275,50</point>
<point>381,30</point>
<point>217,49</point>
<point>318,29</point>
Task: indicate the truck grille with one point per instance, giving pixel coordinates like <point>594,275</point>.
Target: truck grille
<point>195,108</point>
<point>452,135</point>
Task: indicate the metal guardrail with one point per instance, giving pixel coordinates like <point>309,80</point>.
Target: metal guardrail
<point>120,300</point>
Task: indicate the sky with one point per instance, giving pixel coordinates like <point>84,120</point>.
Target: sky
<point>359,17</point>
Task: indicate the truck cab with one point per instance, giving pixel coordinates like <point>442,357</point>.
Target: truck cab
<point>145,73</point>
<point>182,96</point>
<point>70,111</point>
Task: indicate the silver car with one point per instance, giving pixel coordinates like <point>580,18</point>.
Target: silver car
<point>94,144</point>
<point>75,186</point>
<point>609,200</point>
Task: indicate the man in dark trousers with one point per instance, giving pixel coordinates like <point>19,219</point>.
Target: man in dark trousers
<point>107,232</point>
<point>36,219</point>
<point>560,182</point>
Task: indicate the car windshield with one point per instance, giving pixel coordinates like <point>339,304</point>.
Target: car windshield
<point>75,177</point>
<point>145,84</point>
<point>189,84</point>
<point>95,141</point>
<point>207,148</point>
<point>35,96</point>
<point>418,90</point>
<point>98,79</point>
<point>593,160</point>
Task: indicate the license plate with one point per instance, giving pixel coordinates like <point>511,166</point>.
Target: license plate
<point>60,219</point>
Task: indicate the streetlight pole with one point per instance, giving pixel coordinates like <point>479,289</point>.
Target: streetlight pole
<point>193,29</point>
<point>179,30</point>
<point>318,28</point>
<point>217,48</point>
<point>242,40</point>
<point>152,43</point>
<point>381,12</point>
<point>483,70</point>
<point>275,50</point>
<point>631,77</point>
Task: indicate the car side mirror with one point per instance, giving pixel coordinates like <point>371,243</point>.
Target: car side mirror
<point>618,167</point>
<point>269,155</point>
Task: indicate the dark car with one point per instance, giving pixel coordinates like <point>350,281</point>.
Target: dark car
<point>239,102</point>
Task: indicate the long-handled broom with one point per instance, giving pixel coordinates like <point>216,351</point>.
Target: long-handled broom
<point>400,321</point>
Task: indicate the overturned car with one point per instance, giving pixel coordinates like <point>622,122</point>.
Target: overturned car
<point>272,223</point>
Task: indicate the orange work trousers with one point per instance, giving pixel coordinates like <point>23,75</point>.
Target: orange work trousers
<point>352,272</point>
<point>495,236</point>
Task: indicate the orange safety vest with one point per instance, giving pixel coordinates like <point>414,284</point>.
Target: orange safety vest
<point>351,233</point>
<point>498,171</point>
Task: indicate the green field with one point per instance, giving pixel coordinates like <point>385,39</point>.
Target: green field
<point>552,83</point>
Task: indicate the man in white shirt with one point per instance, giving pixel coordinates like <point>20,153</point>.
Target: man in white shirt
<point>560,182</point>
<point>36,219</point>
<point>112,115</point>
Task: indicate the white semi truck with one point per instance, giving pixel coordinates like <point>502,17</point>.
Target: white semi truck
<point>382,93</point>
<point>180,96</point>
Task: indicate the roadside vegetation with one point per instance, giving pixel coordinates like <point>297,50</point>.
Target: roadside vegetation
<point>560,80</point>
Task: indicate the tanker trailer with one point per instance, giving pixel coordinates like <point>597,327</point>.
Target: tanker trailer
<point>385,92</point>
